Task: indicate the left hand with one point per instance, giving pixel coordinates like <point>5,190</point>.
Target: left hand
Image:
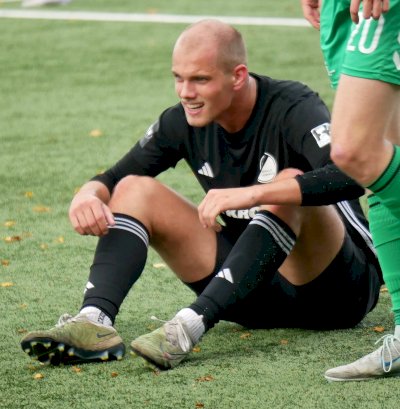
<point>217,201</point>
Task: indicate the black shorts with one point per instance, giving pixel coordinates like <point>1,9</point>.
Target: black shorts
<point>338,298</point>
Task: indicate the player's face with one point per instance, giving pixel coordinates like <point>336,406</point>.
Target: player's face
<point>204,89</point>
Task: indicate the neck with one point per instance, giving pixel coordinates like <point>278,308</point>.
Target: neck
<point>241,108</point>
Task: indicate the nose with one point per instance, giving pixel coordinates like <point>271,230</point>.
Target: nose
<point>186,90</point>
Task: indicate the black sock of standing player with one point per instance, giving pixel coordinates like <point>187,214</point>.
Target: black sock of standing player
<point>259,251</point>
<point>118,262</point>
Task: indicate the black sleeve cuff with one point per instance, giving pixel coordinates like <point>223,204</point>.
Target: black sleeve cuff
<point>327,185</point>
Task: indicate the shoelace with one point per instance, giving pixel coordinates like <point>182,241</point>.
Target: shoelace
<point>184,341</point>
<point>387,345</point>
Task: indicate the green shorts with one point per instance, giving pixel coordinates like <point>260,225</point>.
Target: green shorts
<point>370,49</point>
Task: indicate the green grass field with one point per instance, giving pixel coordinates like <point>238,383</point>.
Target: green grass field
<point>75,96</point>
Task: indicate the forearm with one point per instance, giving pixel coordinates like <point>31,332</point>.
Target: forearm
<point>95,188</point>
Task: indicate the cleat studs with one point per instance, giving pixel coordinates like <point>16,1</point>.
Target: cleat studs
<point>47,345</point>
<point>104,356</point>
<point>71,352</point>
<point>27,350</point>
<point>61,347</point>
<point>33,343</point>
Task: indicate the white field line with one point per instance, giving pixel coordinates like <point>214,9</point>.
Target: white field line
<point>147,18</point>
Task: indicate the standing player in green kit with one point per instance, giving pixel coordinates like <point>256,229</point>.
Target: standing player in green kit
<point>361,47</point>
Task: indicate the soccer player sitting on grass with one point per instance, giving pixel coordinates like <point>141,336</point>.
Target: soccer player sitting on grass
<point>292,249</point>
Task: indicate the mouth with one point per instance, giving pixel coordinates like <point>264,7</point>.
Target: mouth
<point>192,108</point>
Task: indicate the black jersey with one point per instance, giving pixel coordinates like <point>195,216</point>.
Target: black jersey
<point>289,127</point>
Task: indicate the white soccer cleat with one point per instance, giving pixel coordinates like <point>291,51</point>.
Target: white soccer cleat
<point>383,362</point>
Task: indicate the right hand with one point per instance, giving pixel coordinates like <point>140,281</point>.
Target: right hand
<point>89,215</point>
<point>311,12</point>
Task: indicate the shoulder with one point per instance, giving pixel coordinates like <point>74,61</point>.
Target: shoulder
<point>287,90</point>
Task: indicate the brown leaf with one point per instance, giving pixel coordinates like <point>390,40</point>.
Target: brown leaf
<point>38,376</point>
<point>95,133</point>
<point>245,335</point>
<point>41,209</point>
<point>199,405</point>
<point>196,349</point>
<point>60,239</point>
<point>284,342</point>
<point>159,265</point>
<point>12,239</point>
<point>5,262</point>
<point>6,284</point>
<point>207,378</point>
<point>29,195</point>
<point>22,331</point>
<point>10,223</point>
<point>379,329</point>
<point>114,374</point>
<point>76,369</point>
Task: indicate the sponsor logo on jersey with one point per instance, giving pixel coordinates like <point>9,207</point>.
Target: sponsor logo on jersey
<point>322,134</point>
<point>153,128</point>
<point>268,168</point>
<point>206,170</point>
<point>242,213</point>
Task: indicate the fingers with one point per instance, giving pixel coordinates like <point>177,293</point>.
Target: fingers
<point>371,8</point>
<point>311,12</point>
<point>91,218</point>
<point>354,8</point>
<point>208,212</point>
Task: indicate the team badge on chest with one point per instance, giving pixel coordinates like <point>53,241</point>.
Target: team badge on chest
<point>268,168</point>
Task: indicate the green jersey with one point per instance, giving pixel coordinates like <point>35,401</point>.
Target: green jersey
<point>369,49</point>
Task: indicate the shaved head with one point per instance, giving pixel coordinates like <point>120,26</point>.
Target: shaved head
<point>218,39</point>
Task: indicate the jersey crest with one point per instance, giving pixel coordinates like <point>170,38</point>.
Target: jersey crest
<point>268,168</point>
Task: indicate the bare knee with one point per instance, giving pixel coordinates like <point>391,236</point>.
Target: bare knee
<point>133,186</point>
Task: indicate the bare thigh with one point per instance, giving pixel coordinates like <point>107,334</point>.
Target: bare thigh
<point>173,225</point>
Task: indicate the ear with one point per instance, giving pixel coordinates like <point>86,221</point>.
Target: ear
<point>240,76</point>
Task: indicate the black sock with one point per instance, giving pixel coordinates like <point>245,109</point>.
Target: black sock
<point>259,251</point>
<point>118,262</point>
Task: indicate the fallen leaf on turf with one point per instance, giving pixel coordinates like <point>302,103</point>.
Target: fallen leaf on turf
<point>159,265</point>
<point>23,306</point>
<point>60,239</point>
<point>245,335</point>
<point>29,195</point>
<point>199,405</point>
<point>10,223</point>
<point>207,378</point>
<point>95,133</point>
<point>22,331</point>
<point>379,329</point>
<point>284,342</point>
<point>76,369</point>
<point>12,239</point>
<point>6,284</point>
<point>41,209</point>
<point>114,374</point>
<point>384,289</point>
<point>5,262</point>
<point>38,376</point>
<point>196,349</point>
